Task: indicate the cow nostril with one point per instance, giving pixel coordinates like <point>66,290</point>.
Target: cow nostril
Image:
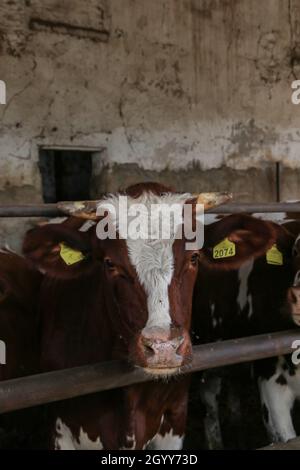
<point>148,346</point>
<point>148,349</point>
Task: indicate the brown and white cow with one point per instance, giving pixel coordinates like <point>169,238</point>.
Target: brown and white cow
<point>19,285</point>
<point>257,298</point>
<point>131,299</point>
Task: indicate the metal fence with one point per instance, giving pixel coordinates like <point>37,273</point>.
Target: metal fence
<point>68,383</point>
<point>52,210</point>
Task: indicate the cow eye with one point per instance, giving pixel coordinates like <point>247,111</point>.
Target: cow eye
<point>109,264</point>
<point>194,259</point>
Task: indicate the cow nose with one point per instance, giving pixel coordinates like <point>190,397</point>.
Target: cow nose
<point>294,303</point>
<point>163,348</point>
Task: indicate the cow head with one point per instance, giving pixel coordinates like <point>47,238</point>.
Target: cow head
<point>148,283</point>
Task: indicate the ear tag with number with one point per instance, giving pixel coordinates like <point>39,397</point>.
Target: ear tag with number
<point>224,249</point>
<point>69,255</point>
<point>274,256</point>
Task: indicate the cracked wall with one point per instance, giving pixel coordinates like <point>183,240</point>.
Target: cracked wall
<point>192,91</point>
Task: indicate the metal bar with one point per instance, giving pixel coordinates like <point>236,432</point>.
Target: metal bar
<point>236,207</point>
<point>30,210</point>
<point>51,210</point>
<point>68,383</point>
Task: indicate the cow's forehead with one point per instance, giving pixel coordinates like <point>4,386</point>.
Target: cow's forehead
<point>149,254</point>
<point>147,204</point>
<point>152,259</point>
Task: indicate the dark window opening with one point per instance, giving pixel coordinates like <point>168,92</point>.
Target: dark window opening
<point>66,174</point>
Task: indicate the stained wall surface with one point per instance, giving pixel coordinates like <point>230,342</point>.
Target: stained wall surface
<point>194,93</point>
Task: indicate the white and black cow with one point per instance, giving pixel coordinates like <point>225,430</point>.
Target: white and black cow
<point>262,296</point>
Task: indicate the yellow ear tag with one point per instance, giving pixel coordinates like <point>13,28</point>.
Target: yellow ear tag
<point>69,255</point>
<point>274,256</point>
<point>224,249</point>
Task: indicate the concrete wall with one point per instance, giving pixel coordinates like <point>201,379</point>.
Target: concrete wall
<point>191,92</point>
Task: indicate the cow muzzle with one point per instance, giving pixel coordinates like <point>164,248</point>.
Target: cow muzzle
<point>163,351</point>
<point>293,298</point>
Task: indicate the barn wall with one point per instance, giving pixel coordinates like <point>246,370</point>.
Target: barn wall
<point>191,92</point>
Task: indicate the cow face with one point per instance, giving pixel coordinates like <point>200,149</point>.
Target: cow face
<point>151,281</point>
<point>147,283</point>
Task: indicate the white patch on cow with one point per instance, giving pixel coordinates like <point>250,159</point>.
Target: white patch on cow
<point>152,259</point>
<point>131,443</point>
<point>244,273</point>
<point>214,319</point>
<point>250,303</point>
<point>56,220</point>
<point>296,281</point>
<point>65,440</point>
<point>295,250</point>
<point>279,399</point>
<point>87,225</point>
<point>168,441</point>
<point>278,217</point>
<point>211,218</point>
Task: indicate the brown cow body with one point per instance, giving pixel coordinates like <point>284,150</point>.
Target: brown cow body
<point>19,285</point>
<point>128,299</point>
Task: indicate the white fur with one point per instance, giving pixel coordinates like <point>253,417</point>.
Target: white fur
<point>152,259</point>
<point>296,282</point>
<point>169,441</point>
<point>87,225</point>
<point>277,217</point>
<point>244,273</point>
<point>279,400</point>
<point>131,443</point>
<point>66,441</point>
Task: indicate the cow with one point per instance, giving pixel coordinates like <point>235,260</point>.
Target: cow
<point>255,299</point>
<point>19,284</point>
<point>279,378</point>
<point>126,298</point>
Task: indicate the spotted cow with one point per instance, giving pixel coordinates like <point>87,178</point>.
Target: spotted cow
<point>262,296</point>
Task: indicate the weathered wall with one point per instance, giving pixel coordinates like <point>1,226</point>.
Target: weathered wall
<point>193,92</point>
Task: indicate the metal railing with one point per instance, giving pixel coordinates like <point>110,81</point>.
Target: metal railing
<point>69,383</point>
<point>52,210</point>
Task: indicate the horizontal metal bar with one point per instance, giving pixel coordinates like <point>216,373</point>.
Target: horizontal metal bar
<point>51,210</point>
<point>30,210</point>
<point>236,207</point>
<point>68,383</point>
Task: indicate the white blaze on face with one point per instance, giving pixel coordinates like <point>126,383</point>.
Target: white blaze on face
<point>153,259</point>
<point>154,266</point>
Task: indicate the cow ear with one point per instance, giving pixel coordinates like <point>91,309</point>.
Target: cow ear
<point>233,240</point>
<point>58,250</point>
